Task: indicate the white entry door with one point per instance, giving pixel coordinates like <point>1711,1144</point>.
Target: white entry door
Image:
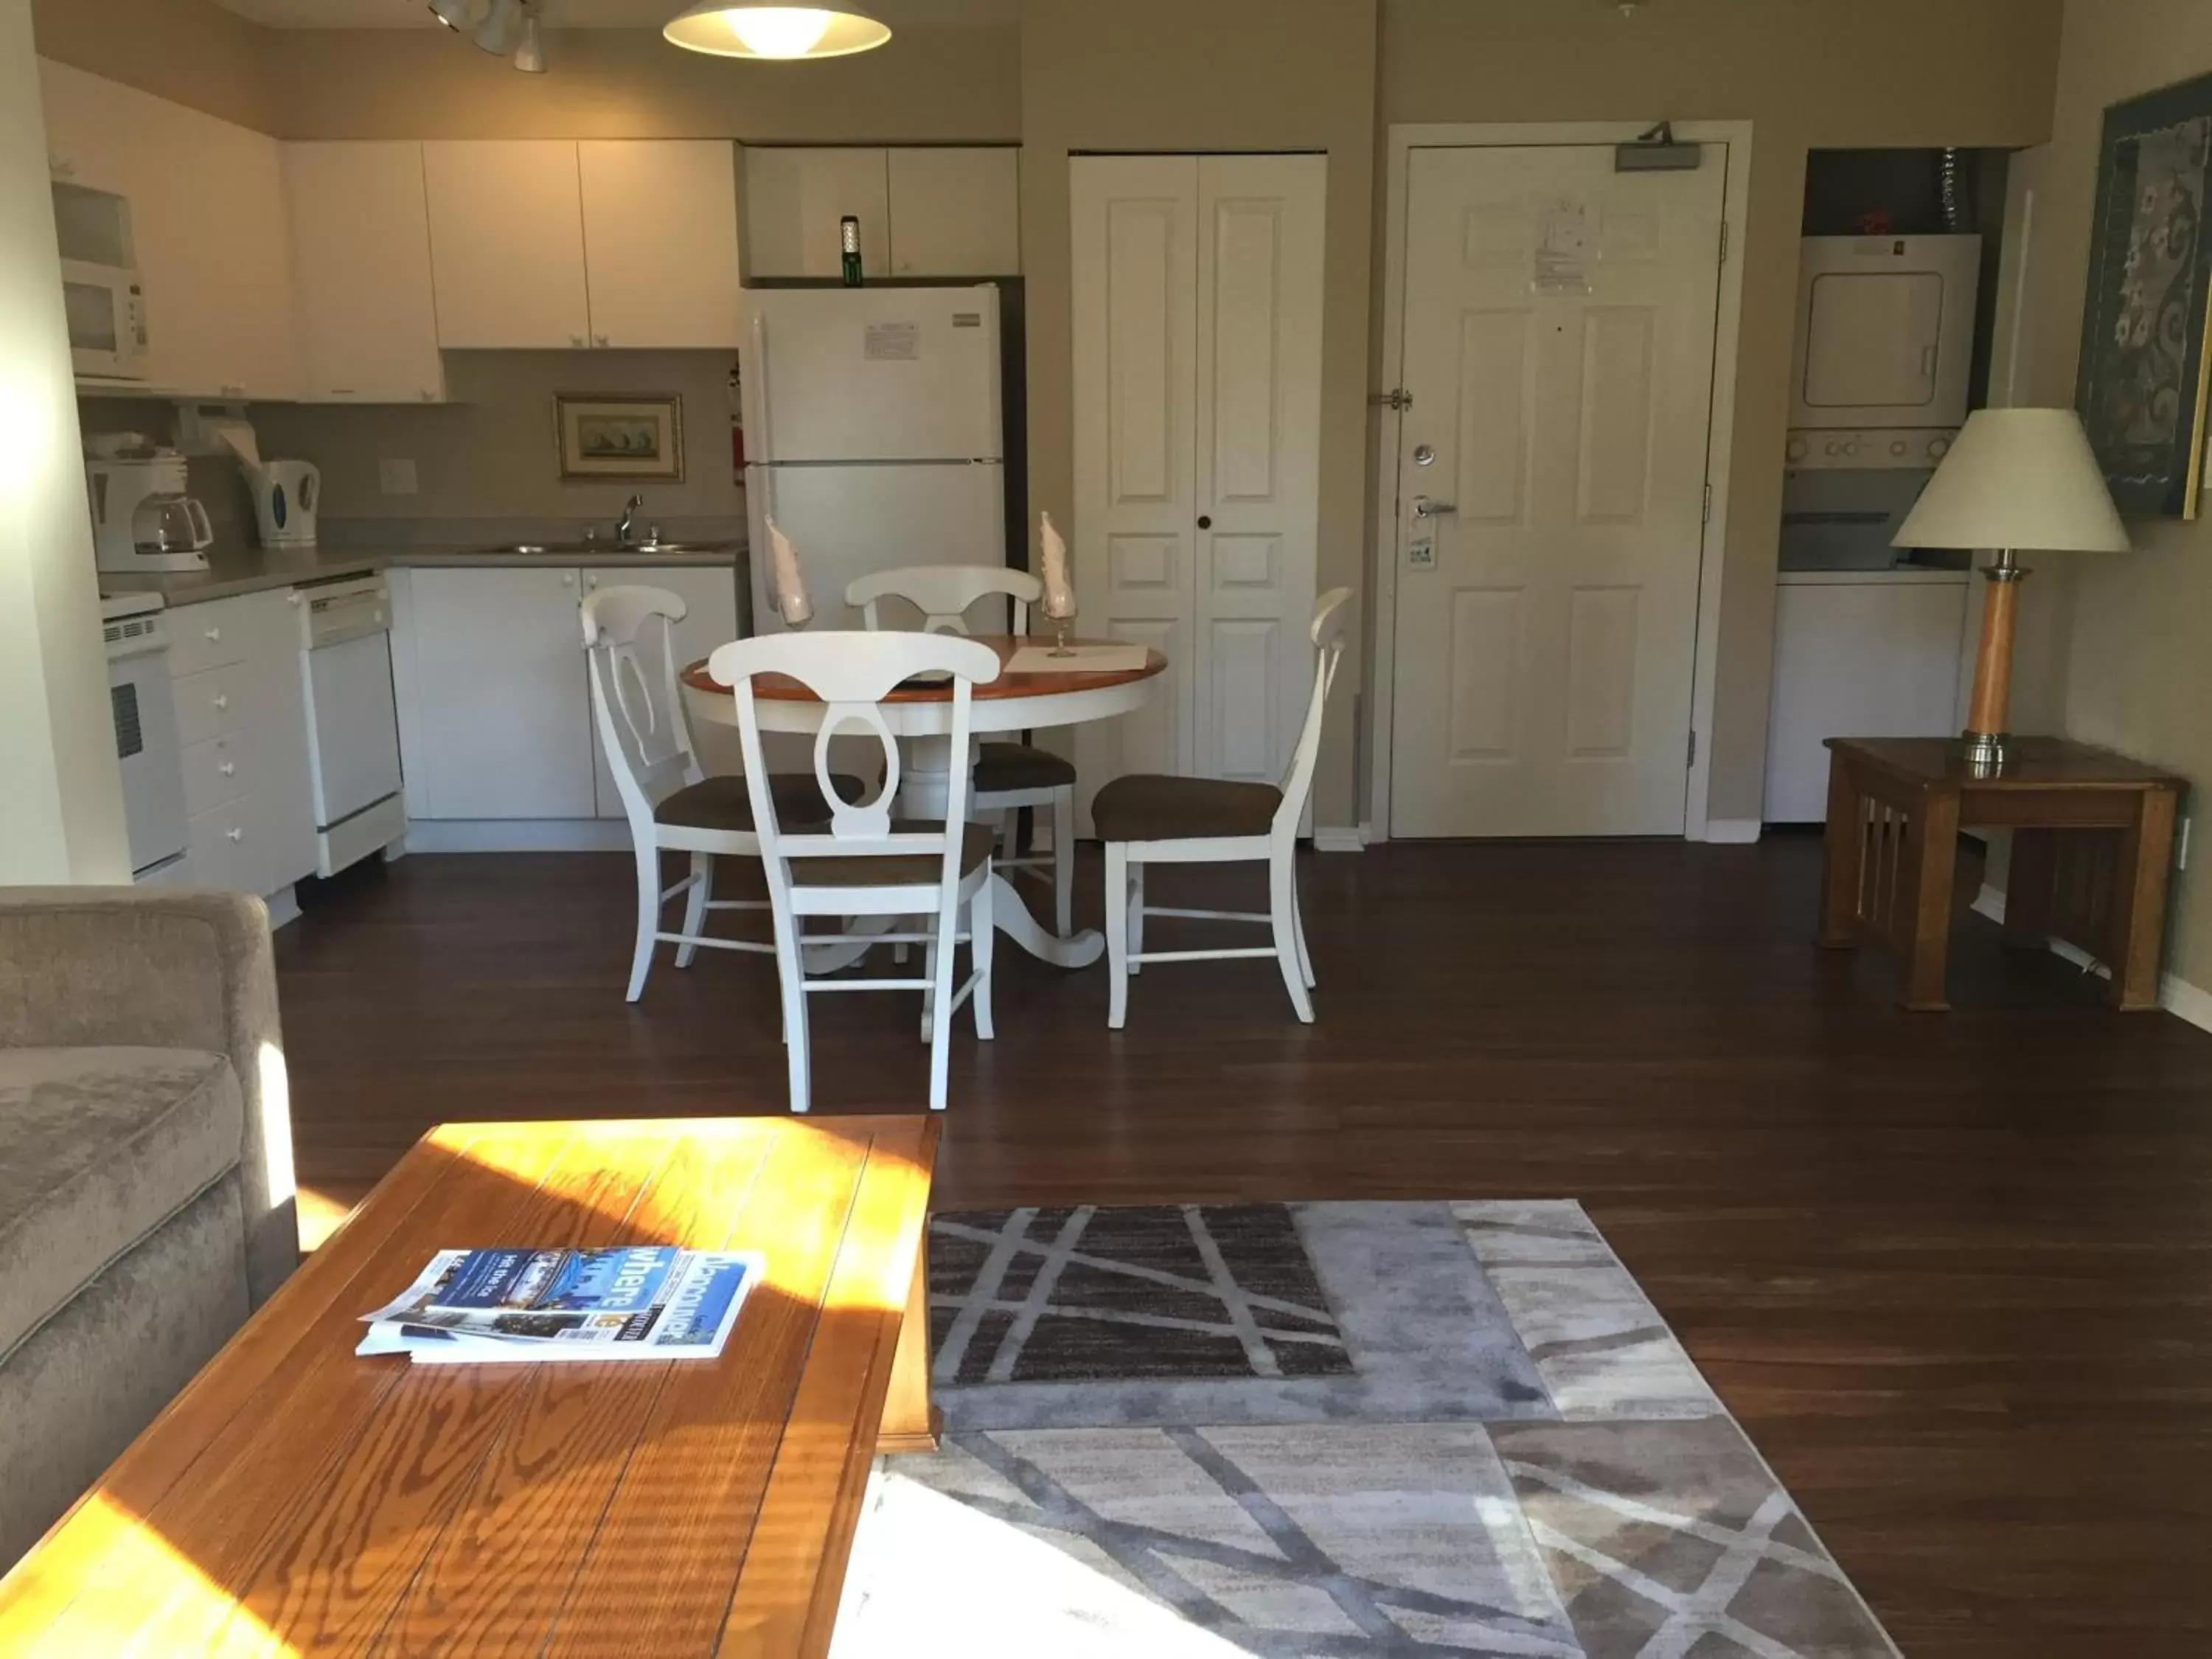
<point>1197,312</point>
<point>1559,348</point>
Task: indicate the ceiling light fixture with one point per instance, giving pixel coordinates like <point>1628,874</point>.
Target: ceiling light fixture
<point>735,28</point>
<point>501,27</point>
<point>530,55</point>
<point>453,14</point>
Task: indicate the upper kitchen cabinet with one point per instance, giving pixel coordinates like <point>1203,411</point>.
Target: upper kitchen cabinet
<point>208,223</point>
<point>660,242</point>
<point>507,245</point>
<point>955,212</point>
<point>795,199</point>
<point>360,270</point>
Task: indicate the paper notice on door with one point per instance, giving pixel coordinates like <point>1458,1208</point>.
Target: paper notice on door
<point>892,342</point>
<point>1563,257</point>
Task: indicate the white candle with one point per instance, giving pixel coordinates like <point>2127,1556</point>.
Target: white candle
<point>1059,596</point>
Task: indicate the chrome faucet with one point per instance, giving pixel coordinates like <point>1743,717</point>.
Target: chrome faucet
<point>626,526</point>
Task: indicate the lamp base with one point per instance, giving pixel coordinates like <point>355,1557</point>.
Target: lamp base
<point>1985,752</point>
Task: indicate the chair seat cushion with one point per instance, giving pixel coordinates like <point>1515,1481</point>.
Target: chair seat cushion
<point>98,1148</point>
<point>904,869</point>
<point>724,803</point>
<point>1148,806</point>
<point>1003,767</point>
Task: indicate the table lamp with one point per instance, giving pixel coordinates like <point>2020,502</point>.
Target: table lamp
<point>2015,480</point>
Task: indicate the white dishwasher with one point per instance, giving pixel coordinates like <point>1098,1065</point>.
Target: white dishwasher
<point>353,725</point>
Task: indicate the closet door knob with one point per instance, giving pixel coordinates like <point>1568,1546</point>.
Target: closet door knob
<point>1205,521</point>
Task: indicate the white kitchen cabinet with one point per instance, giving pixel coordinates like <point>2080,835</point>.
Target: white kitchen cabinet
<point>507,243</point>
<point>660,239</point>
<point>242,720</point>
<point>495,723</point>
<point>359,224</point>
<point>955,212</point>
<point>711,619</point>
<point>208,218</point>
<point>794,200</point>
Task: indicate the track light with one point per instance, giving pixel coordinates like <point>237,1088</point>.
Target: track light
<point>453,14</point>
<point>501,28</point>
<point>530,55</point>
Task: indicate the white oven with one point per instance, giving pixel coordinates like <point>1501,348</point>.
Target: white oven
<point>100,290</point>
<point>146,744</point>
<point>1885,331</point>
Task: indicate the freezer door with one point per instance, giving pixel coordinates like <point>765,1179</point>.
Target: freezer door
<point>872,374</point>
<point>849,522</point>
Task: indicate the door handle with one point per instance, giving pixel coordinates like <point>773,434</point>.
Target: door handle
<point>1426,508</point>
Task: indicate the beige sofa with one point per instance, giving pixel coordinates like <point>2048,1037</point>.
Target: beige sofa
<point>145,1169</point>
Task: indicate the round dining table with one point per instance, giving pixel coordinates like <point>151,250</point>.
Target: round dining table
<point>921,716</point>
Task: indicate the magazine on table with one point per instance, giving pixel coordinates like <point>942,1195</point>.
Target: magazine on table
<point>635,1302</point>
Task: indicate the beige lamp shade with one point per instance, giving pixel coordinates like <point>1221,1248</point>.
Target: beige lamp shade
<point>748,28</point>
<point>2019,478</point>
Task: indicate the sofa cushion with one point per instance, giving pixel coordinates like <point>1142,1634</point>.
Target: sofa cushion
<point>98,1148</point>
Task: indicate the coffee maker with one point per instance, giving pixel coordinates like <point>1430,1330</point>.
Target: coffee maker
<point>142,518</point>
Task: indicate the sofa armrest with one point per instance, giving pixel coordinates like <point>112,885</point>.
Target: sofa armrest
<point>166,968</point>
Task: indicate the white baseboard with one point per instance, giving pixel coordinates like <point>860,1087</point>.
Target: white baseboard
<point>2176,995</point>
<point>517,835</point>
<point>1339,838</point>
<point>1733,832</point>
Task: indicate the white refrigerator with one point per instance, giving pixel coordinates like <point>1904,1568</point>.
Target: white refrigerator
<point>873,435</point>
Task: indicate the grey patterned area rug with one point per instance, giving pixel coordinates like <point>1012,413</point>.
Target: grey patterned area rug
<point>1405,1431</point>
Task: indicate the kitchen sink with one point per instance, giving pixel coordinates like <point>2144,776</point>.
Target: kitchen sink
<point>586,551</point>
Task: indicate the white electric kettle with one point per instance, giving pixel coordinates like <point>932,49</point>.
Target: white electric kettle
<point>286,496</point>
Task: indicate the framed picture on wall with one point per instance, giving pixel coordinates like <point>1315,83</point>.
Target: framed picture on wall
<point>622,438</point>
<point>2145,367</point>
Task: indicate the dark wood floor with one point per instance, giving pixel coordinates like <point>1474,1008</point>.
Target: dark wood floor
<point>1952,1271</point>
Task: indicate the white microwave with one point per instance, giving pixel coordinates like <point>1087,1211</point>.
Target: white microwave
<point>100,290</point>
<point>1885,331</point>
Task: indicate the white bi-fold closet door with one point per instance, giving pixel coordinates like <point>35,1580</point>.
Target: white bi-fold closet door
<point>1197,315</point>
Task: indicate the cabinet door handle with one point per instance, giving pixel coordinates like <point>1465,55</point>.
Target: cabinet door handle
<point>599,339</point>
<point>292,597</point>
<point>215,636</point>
<point>228,769</point>
<point>575,339</point>
<point>235,835</point>
<point>220,701</point>
<point>568,579</point>
<point>429,396</point>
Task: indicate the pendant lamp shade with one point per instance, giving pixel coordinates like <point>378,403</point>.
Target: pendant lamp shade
<point>737,28</point>
<point>2019,478</point>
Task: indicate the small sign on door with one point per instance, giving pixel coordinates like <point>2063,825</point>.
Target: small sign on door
<point>1562,252</point>
<point>892,342</point>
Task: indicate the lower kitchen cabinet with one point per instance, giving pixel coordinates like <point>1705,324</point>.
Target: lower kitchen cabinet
<point>495,710</point>
<point>242,726</point>
<point>496,661</point>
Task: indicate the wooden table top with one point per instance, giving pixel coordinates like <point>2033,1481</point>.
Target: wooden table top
<point>2030,763</point>
<point>782,689</point>
<point>296,1499</point>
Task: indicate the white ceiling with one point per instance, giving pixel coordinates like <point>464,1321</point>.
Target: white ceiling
<point>588,13</point>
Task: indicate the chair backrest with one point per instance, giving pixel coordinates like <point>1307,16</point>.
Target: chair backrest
<point>945,593</point>
<point>1327,633</point>
<point>635,698</point>
<point>852,673</point>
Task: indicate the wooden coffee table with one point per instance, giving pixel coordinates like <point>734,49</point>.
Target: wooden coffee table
<point>2092,838</point>
<point>296,1499</point>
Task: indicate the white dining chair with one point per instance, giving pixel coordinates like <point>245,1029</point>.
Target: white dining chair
<point>670,801</point>
<point>1147,818</point>
<point>864,862</point>
<point>1009,776</point>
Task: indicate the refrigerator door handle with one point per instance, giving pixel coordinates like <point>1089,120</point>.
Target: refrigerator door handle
<point>756,390</point>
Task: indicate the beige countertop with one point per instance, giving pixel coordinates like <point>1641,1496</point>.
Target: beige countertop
<point>232,570</point>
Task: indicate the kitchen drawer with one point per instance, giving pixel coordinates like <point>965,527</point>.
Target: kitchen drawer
<point>218,771</point>
<point>204,636</point>
<point>213,701</point>
<point>216,844</point>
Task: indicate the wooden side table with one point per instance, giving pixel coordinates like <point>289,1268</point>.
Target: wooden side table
<point>2092,841</point>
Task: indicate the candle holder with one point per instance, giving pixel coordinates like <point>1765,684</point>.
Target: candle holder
<point>1060,637</point>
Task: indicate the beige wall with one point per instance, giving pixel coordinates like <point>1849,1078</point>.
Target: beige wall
<point>61,810</point>
<point>1809,74</point>
<point>2133,666</point>
<point>190,51</point>
<point>489,452</point>
<point>1225,75</point>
